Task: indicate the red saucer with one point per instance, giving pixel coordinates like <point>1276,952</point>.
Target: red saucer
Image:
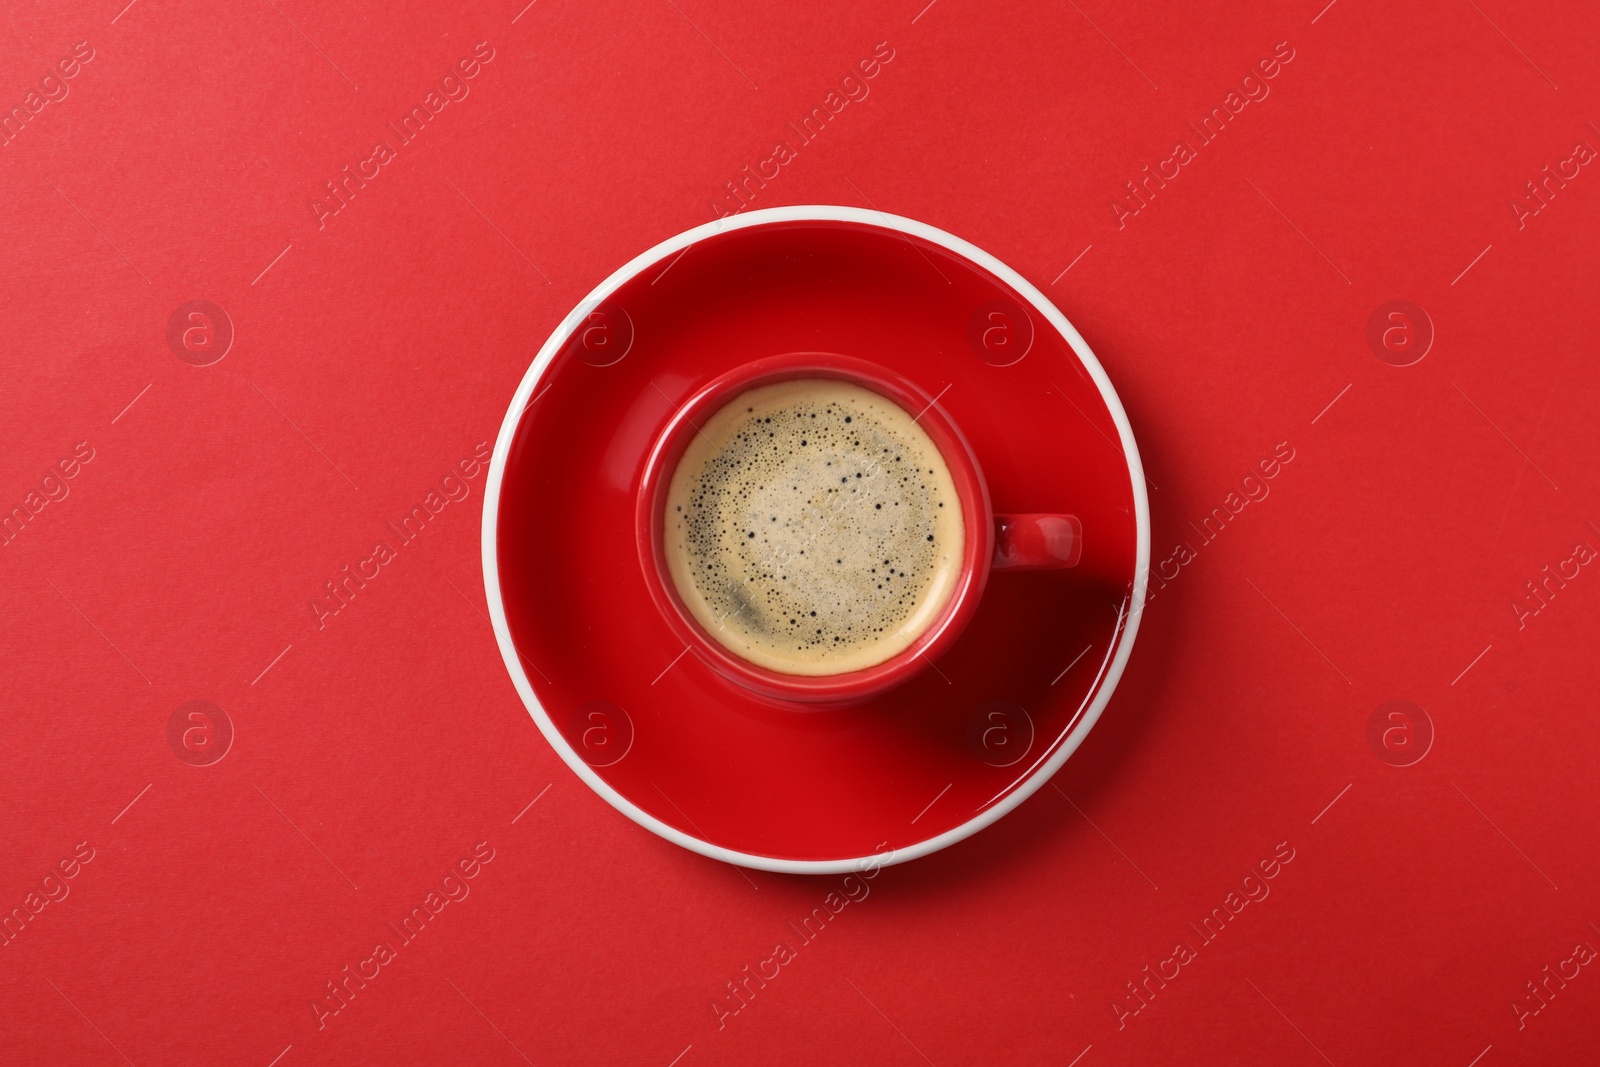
<point>688,754</point>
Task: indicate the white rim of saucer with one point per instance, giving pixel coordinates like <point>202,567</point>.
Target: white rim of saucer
<point>815,213</point>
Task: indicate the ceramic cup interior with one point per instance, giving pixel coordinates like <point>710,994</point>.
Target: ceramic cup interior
<point>977,523</point>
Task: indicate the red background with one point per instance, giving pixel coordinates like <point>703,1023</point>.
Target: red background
<point>374,353</point>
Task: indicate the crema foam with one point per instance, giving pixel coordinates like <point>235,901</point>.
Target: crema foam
<point>813,528</point>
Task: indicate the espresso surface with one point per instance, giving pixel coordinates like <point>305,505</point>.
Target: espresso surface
<point>812,527</point>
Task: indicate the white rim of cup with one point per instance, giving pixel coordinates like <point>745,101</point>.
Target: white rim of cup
<point>880,220</point>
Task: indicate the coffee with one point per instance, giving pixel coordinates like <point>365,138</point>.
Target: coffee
<point>813,528</point>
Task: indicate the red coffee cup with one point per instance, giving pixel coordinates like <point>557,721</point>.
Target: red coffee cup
<point>992,542</point>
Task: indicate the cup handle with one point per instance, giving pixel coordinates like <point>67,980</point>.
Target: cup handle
<point>1037,542</point>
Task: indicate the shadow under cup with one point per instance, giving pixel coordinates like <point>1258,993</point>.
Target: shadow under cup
<point>1024,541</point>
